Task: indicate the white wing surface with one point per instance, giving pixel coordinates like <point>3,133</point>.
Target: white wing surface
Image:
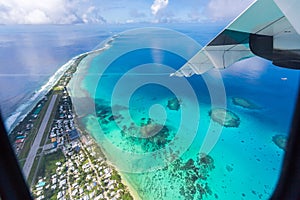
<point>268,28</point>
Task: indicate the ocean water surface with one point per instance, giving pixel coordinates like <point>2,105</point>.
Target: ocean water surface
<point>157,130</point>
<point>30,57</point>
<point>32,54</point>
<point>151,126</point>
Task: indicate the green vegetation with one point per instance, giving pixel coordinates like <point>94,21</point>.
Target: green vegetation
<point>34,167</point>
<point>32,133</point>
<point>21,162</point>
<point>39,151</point>
<point>48,163</point>
<point>58,89</point>
<point>127,196</point>
<point>116,176</point>
<point>47,167</point>
<point>51,194</point>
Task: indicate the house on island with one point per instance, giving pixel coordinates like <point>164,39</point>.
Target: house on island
<point>73,134</point>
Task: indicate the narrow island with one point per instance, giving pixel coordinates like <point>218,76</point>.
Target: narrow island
<point>59,159</point>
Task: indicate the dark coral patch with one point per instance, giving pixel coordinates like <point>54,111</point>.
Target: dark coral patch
<point>280,141</point>
<point>173,104</point>
<point>244,103</point>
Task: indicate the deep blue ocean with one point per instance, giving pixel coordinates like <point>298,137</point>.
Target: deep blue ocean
<point>124,90</point>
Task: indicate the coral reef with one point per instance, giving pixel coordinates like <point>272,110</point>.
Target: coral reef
<point>280,141</point>
<point>224,117</point>
<point>229,168</point>
<point>146,135</point>
<point>173,104</point>
<point>151,136</point>
<point>196,174</point>
<point>150,129</point>
<point>244,103</point>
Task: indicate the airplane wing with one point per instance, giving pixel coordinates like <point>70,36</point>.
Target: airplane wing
<point>268,28</point>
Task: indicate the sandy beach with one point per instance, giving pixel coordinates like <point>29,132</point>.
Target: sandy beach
<point>124,181</point>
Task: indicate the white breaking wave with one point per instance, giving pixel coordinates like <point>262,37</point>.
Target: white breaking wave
<point>22,111</point>
<point>25,108</point>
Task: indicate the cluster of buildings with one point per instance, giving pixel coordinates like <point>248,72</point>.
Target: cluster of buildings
<point>25,127</point>
<point>82,176</point>
<point>92,178</point>
<point>77,173</point>
<point>20,136</point>
<point>20,139</point>
<point>63,130</point>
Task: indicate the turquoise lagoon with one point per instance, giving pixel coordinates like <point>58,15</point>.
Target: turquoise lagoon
<point>121,94</point>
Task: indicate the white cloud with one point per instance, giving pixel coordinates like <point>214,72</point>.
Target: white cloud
<point>92,11</point>
<point>158,5</point>
<point>226,9</point>
<point>47,12</point>
<point>37,17</point>
<point>92,15</point>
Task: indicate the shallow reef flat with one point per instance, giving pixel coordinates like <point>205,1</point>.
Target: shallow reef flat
<point>280,141</point>
<point>224,117</point>
<point>245,103</point>
<point>181,179</point>
<point>144,135</point>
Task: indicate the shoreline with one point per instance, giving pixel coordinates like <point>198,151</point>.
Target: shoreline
<point>74,62</point>
<point>82,129</point>
<point>85,132</point>
<point>130,187</point>
<point>124,181</point>
<point>20,115</point>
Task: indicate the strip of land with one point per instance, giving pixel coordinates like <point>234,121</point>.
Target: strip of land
<point>36,144</point>
<point>60,159</point>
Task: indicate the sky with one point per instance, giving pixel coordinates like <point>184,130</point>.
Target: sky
<point>118,11</point>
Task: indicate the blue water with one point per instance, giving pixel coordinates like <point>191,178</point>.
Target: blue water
<point>134,86</point>
<point>121,96</point>
<point>31,54</point>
